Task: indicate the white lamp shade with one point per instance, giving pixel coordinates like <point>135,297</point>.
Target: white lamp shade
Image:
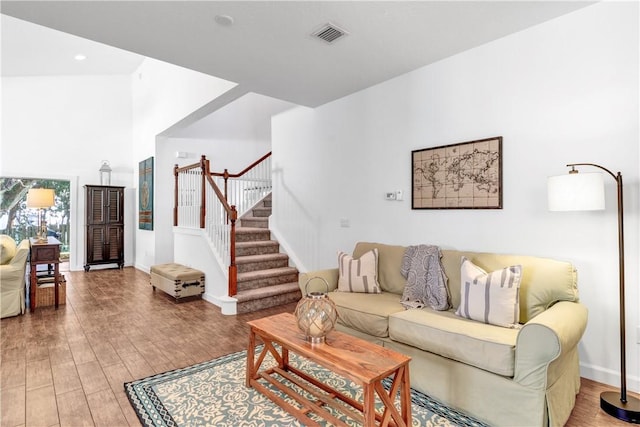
<point>40,198</point>
<point>576,192</point>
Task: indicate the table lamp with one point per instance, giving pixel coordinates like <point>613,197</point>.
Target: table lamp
<point>581,192</point>
<point>41,198</point>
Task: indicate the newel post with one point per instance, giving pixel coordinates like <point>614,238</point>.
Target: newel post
<point>233,269</point>
<point>203,209</point>
<point>175,196</point>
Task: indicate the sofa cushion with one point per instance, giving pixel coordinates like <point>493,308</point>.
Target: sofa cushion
<point>389,262</point>
<point>7,248</point>
<point>485,346</point>
<point>544,281</point>
<point>358,275</point>
<point>490,297</point>
<point>368,313</point>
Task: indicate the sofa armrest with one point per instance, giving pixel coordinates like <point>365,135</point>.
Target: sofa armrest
<point>330,275</point>
<point>13,274</point>
<point>550,335</point>
<point>22,252</point>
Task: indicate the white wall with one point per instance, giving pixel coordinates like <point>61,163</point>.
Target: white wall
<point>192,249</point>
<point>61,127</point>
<point>163,94</point>
<point>229,154</point>
<point>561,92</point>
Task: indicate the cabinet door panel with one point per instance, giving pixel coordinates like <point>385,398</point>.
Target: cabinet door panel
<point>114,243</point>
<point>95,206</point>
<point>95,244</point>
<point>114,206</point>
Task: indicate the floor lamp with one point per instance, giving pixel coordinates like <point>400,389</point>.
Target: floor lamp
<point>41,198</point>
<point>585,191</point>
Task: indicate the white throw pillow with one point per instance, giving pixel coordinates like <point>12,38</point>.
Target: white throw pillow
<point>490,297</point>
<point>359,275</point>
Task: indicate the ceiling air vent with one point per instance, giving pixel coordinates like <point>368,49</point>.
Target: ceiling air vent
<point>329,33</point>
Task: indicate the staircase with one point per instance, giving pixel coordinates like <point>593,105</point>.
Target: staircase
<point>264,276</point>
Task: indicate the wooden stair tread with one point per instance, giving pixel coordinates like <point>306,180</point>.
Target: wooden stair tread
<point>241,230</point>
<point>255,222</point>
<point>257,242</point>
<point>252,275</point>
<point>252,294</point>
<point>256,258</point>
<point>261,210</point>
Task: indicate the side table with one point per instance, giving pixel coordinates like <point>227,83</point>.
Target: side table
<point>44,253</point>
<point>363,362</point>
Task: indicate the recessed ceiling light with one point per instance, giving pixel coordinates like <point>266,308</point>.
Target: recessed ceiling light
<point>80,57</point>
<point>224,20</point>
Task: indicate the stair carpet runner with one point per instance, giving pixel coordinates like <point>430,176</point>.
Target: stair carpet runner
<point>265,278</point>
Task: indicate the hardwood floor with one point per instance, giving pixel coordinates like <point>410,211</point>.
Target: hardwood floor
<point>67,367</point>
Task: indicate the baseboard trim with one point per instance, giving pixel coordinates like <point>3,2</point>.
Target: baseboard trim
<point>142,267</point>
<point>228,305</point>
<point>608,376</point>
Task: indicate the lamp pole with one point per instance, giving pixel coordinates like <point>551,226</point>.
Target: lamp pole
<point>622,407</point>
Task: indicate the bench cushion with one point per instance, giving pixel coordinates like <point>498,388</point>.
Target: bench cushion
<point>368,313</point>
<point>175,271</point>
<point>177,280</point>
<point>485,346</point>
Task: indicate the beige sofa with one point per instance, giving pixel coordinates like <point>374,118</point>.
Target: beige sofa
<point>527,376</point>
<point>13,264</point>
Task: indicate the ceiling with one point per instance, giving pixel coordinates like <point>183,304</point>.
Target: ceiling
<point>247,118</point>
<point>33,50</point>
<point>268,49</point>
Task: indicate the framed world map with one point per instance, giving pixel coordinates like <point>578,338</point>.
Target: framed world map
<point>467,175</point>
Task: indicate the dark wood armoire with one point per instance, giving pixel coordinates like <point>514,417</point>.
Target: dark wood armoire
<point>104,224</point>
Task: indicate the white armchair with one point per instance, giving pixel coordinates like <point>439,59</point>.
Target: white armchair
<point>12,276</point>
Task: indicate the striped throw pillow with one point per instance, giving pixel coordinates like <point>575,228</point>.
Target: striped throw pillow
<point>490,297</point>
<point>359,275</point>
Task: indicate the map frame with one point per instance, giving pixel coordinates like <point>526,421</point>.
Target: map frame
<point>465,175</point>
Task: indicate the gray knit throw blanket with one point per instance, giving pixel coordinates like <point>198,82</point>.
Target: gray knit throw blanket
<point>426,281</point>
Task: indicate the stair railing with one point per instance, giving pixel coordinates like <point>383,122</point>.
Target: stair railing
<point>199,203</point>
<point>188,195</point>
<point>248,187</point>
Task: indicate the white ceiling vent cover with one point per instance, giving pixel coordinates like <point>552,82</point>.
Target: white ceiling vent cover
<point>329,33</point>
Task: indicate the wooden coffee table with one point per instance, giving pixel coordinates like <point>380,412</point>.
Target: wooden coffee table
<point>362,362</point>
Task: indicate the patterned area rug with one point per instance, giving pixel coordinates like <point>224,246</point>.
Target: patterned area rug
<point>214,394</point>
